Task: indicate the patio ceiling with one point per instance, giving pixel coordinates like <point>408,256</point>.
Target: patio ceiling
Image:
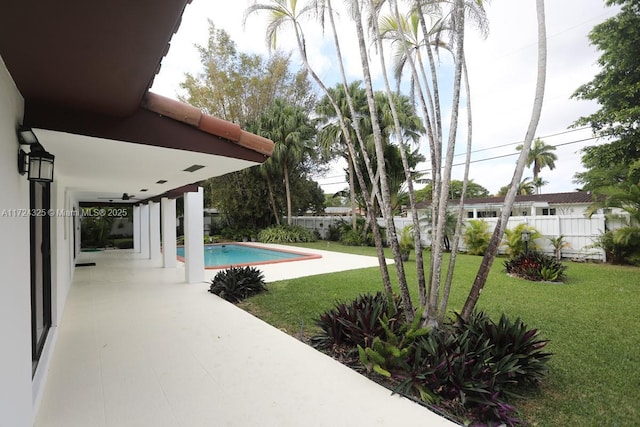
<point>84,71</point>
<point>101,170</point>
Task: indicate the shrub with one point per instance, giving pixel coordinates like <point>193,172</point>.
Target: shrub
<point>353,238</point>
<point>406,242</point>
<point>516,349</point>
<point>618,252</point>
<point>237,283</point>
<point>343,232</point>
<point>286,234</point>
<point>389,355</point>
<point>470,369</point>
<point>476,236</point>
<point>558,244</point>
<point>459,371</point>
<point>333,233</point>
<point>514,243</point>
<point>473,367</point>
<point>355,323</point>
<point>536,266</point>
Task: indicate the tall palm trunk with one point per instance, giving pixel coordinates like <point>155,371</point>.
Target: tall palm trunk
<point>428,113</point>
<point>430,315</point>
<point>375,193</point>
<point>403,155</point>
<point>370,210</point>
<point>436,155</point>
<point>382,169</point>
<point>272,199</point>
<point>352,194</point>
<point>490,253</point>
<point>456,237</point>
<point>287,188</point>
<point>386,280</point>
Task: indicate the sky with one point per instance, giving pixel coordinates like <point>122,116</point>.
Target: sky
<point>502,71</point>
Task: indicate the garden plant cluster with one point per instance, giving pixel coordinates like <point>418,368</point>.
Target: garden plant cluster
<point>470,370</point>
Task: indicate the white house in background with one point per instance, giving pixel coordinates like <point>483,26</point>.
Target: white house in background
<point>552,215</point>
<point>77,77</point>
<point>553,204</point>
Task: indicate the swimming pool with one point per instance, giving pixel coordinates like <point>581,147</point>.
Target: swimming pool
<point>240,254</point>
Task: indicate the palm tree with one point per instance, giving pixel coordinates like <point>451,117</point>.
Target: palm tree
<point>538,183</point>
<point>330,136</point>
<point>525,187</point>
<point>290,129</point>
<point>540,156</point>
<point>282,14</point>
<point>380,161</point>
<point>492,250</point>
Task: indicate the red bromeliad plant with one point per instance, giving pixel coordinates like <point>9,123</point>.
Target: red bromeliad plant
<point>536,266</point>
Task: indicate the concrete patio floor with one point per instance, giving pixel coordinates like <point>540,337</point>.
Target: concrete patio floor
<point>139,347</point>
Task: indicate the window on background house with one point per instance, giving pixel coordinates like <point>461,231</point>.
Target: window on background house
<point>548,211</point>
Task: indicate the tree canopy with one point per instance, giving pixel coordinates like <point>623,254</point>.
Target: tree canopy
<point>474,190</point>
<point>263,95</point>
<point>616,88</point>
<point>237,86</point>
<point>613,169</point>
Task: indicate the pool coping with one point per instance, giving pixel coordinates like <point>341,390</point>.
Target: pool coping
<point>304,256</point>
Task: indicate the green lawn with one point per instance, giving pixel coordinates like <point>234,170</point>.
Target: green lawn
<point>592,321</point>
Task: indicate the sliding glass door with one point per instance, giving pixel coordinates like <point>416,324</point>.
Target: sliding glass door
<point>40,228</point>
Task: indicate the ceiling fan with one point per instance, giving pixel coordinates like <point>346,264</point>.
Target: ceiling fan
<point>125,197</point>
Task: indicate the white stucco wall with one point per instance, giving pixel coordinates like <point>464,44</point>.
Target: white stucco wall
<point>15,317</point>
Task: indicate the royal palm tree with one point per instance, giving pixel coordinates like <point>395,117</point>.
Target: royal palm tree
<point>540,156</point>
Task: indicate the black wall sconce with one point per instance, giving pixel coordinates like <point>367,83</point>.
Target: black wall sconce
<point>38,163</point>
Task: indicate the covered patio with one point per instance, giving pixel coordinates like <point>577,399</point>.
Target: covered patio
<point>137,346</point>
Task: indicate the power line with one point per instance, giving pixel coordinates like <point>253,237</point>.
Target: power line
<point>514,154</point>
<point>493,148</point>
<point>520,142</point>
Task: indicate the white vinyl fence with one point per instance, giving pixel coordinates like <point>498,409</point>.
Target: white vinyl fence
<point>579,232</point>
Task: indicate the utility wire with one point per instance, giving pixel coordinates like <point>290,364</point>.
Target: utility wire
<point>515,154</point>
<point>492,148</point>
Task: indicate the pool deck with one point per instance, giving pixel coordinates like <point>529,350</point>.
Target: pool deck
<point>328,262</point>
<point>137,346</point>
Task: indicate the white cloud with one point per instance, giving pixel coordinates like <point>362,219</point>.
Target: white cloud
<point>502,70</point>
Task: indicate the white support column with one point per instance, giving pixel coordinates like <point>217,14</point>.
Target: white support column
<point>154,231</point>
<point>193,236</point>
<point>144,231</point>
<point>136,229</point>
<point>168,232</point>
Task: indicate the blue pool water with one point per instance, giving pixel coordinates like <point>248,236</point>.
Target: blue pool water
<point>222,255</point>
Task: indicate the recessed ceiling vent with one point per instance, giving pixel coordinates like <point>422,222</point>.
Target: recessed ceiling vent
<point>161,181</point>
<point>193,168</point>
